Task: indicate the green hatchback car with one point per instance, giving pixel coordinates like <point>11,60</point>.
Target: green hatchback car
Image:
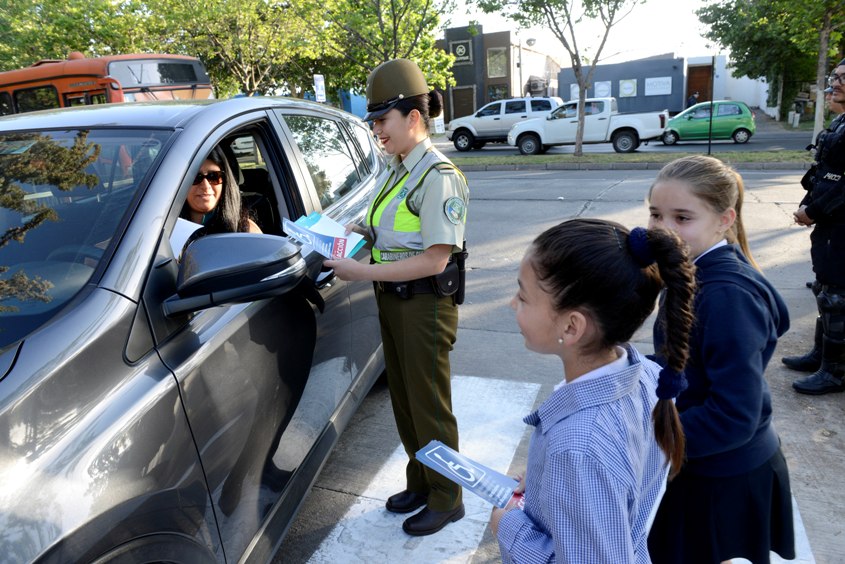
<point>734,120</point>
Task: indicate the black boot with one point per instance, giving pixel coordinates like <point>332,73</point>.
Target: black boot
<point>811,361</point>
<point>830,377</point>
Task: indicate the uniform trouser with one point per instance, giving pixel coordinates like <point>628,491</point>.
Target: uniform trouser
<point>831,304</point>
<point>418,335</point>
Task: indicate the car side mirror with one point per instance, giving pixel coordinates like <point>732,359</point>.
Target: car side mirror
<point>230,268</point>
<point>689,116</point>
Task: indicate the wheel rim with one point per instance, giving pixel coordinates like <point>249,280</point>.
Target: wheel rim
<point>462,141</point>
<point>625,143</point>
<point>670,138</point>
<point>741,136</point>
<point>529,146</point>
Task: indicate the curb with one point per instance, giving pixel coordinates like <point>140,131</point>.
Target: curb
<point>797,166</point>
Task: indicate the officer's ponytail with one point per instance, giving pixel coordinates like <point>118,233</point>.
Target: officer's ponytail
<point>428,105</point>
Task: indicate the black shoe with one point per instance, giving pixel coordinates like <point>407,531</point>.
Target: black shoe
<point>822,382</point>
<point>428,522</point>
<point>809,362</point>
<point>405,502</point>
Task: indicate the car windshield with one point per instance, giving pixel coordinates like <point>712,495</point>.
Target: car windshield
<point>63,195</point>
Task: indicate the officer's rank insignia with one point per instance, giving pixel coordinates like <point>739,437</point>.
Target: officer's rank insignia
<point>455,209</point>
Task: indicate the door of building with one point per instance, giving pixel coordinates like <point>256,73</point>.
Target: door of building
<point>699,79</point>
<point>463,101</point>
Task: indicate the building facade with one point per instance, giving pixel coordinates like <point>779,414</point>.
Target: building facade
<point>494,66</point>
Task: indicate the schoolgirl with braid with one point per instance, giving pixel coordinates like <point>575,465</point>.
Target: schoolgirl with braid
<point>603,439</point>
<point>731,498</point>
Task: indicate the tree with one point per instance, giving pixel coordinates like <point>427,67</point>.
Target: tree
<point>785,42</point>
<point>358,35</point>
<point>562,17</point>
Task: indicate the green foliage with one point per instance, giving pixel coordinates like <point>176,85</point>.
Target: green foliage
<point>358,35</point>
<point>773,39</point>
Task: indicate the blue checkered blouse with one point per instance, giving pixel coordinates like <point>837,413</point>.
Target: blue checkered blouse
<point>594,473</point>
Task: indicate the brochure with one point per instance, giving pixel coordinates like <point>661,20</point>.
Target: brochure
<point>484,482</point>
<point>324,235</point>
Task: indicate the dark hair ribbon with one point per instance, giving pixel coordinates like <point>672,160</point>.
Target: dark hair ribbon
<point>670,384</point>
<point>639,248</point>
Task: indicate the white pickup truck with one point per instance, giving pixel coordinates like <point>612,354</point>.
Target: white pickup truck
<point>602,123</point>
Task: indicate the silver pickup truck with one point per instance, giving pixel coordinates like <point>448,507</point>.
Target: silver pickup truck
<point>602,124</point>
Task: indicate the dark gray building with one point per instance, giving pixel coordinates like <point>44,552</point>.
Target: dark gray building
<point>652,84</point>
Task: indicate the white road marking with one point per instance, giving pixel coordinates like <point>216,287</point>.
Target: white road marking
<point>490,424</point>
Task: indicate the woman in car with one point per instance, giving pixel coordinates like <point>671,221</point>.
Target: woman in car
<point>214,200</point>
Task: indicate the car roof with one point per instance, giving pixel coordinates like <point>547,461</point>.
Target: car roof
<point>163,115</point>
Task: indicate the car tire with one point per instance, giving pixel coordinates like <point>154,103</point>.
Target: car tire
<point>529,144</point>
<point>478,145</point>
<point>463,140</point>
<point>741,136</point>
<point>625,142</point>
<point>669,138</point>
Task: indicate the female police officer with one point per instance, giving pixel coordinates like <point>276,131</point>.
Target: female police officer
<point>416,223</point>
<point>824,208</point>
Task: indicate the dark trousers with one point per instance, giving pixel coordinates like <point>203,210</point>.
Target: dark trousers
<point>418,335</point>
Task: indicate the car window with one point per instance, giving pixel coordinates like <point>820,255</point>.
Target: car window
<point>729,110</point>
<point>365,145</point>
<point>702,112</point>
<point>571,110</point>
<point>593,108</point>
<point>490,110</point>
<point>5,104</point>
<point>327,155</point>
<point>62,198</point>
<point>32,99</point>
<point>540,105</point>
<point>515,107</point>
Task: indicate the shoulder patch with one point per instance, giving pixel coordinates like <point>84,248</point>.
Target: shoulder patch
<point>445,169</point>
<point>455,209</point>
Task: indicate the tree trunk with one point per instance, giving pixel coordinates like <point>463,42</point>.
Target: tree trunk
<point>821,71</point>
<point>582,96</point>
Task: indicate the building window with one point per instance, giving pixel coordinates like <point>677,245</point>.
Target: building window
<point>497,62</point>
<point>497,92</point>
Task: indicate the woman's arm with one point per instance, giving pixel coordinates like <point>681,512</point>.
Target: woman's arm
<point>432,261</point>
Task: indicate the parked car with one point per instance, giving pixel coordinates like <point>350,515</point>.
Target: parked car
<point>734,120</point>
<point>160,404</point>
<point>602,123</point>
<point>491,123</point>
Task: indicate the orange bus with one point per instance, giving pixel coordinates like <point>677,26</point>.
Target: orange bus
<point>79,81</point>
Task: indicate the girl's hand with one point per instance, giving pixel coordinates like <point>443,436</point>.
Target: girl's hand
<point>347,269</point>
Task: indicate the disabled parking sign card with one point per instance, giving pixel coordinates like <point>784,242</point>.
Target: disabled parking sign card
<point>484,482</point>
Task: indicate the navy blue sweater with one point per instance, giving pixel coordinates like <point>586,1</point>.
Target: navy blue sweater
<point>727,409</point>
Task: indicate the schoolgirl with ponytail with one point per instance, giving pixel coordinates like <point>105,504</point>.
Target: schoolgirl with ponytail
<point>731,498</point>
<point>598,457</point>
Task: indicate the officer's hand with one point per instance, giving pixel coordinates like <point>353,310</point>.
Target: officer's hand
<point>347,269</point>
<point>801,217</point>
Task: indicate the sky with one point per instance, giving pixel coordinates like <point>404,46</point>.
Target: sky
<point>654,27</point>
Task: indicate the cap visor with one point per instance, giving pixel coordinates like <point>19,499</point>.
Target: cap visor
<point>370,116</point>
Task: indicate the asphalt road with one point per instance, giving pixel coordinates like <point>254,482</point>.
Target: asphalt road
<point>507,210</point>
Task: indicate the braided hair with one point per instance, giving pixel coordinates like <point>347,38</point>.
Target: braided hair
<point>573,260</point>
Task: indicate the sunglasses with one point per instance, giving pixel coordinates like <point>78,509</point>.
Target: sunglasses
<point>214,177</point>
<point>834,78</point>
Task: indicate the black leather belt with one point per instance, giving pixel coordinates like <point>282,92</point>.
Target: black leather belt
<point>419,286</point>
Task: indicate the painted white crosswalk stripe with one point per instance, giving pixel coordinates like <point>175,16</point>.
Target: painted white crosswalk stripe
<point>489,414</point>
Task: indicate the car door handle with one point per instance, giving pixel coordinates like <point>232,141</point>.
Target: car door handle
<point>601,119</point>
<point>325,279</point>
<point>496,119</point>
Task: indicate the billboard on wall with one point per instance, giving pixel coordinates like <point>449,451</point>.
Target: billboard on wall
<point>462,50</point>
<point>658,86</point>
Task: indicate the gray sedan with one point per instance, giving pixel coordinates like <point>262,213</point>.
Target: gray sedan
<point>164,401</point>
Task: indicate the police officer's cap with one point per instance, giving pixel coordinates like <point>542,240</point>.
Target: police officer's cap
<point>391,82</point>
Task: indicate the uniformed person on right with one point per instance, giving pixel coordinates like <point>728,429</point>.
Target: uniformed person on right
<point>415,223</point>
<point>823,207</point>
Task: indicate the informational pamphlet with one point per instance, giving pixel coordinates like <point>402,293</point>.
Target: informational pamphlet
<point>324,235</point>
<point>484,482</point>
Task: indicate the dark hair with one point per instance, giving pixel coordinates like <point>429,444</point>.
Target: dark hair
<point>428,105</point>
<point>591,265</point>
<point>229,217</point>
